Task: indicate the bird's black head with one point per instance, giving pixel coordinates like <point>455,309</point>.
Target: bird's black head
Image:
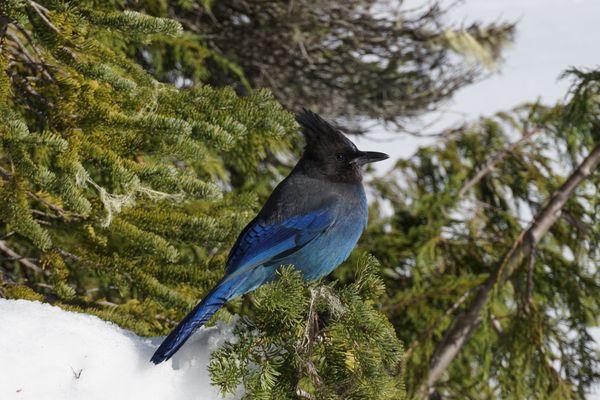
<point>329,154</point>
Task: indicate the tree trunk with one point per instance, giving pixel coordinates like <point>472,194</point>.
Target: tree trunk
<point>469,320</point>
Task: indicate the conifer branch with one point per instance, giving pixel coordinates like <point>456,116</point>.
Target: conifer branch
<point>60,211</point>
<point>42,62</point>
<point>40,11</point>
<point>491,165</point>
<point>464,325</point>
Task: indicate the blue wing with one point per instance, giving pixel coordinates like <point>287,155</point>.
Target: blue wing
<point>264,243</point>
<point>261,243</point>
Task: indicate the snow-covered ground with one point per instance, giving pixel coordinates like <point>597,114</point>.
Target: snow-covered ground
<point>50,354</point>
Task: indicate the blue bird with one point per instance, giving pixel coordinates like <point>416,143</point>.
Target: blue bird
<point>312,220</point>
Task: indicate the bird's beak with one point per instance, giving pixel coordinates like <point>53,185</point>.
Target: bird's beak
<point>365,157</point>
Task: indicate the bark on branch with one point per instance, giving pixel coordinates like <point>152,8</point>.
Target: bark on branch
<point>464,324</point>
<point>18,258</point>
<point>3,26</point>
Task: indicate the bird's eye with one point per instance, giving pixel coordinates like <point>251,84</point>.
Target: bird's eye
<point>340,157</point>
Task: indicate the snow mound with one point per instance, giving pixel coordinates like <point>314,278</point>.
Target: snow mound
<point>49,353</point>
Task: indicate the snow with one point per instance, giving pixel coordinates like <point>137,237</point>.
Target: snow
<point>49,353</point>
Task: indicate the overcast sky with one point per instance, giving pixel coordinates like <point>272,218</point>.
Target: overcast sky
<point>552,35</point>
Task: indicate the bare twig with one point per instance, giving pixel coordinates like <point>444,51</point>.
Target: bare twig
<point>4,174</point>
<point>60,211</point>
<point>42,62</point>
<point>77,374</point>
<point>41,12</point>
<point>577,223</point>
<point>304,394</point>
<point>491,165</point>
<point>9,234</point>
<point>529,287</point>
<point>68,255</point>
<point>464,325</point>
<point>106,303</point>
<point>437,322</point>
<point>496,325</point>
<point>26,262</point>
<point>497,209</point>
<point>13,38</point>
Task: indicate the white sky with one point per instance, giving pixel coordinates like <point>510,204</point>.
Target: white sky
<point>552,35</point>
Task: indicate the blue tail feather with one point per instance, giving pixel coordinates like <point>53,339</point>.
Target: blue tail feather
<point>211,303</point>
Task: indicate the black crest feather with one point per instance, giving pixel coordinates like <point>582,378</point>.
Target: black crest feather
<point>317,131</point>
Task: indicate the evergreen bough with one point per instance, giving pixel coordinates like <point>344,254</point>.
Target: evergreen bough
<point>348,59</point>
<point>113,185</point>
<point>314,341</point>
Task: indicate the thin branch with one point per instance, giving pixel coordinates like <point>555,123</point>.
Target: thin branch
<point>42,64</point>
<point>491,165</point>
<point>304,394</point>
<point>464,325</point>
<point>500,210</point>
<point>60,211</point>
<point>577,223</point>
<point>66,215</point>
<point>21,47</point>
<point>9,234</point>
<point>68,255</point>
<point>5,174</point>
<point>40,10</point>
<point>26,262</point>
<point>437,322</point>
<point>529,287</point>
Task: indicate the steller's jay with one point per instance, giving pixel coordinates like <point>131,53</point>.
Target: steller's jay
<point>312,220</point>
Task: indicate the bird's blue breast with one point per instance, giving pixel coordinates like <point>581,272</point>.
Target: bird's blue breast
<point>314,229</point>
<point>328,250</point>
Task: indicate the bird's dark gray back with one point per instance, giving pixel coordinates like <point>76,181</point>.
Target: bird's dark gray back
<point>300,194</point>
